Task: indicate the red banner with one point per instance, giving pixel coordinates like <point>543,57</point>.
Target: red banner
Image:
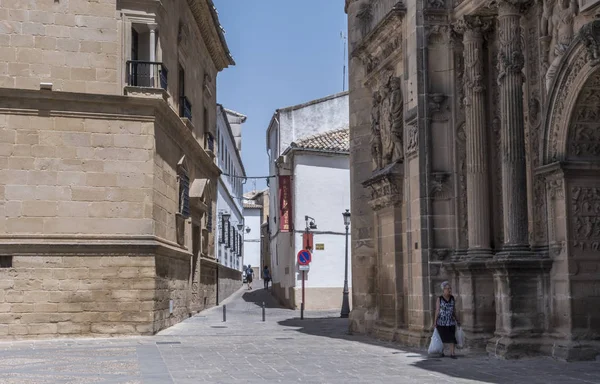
<point>285,204</point>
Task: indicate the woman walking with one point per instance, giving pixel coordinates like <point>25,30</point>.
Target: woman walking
<point>445,318</point>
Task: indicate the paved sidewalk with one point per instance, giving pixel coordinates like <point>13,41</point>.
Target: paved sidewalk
<point>283,349</point>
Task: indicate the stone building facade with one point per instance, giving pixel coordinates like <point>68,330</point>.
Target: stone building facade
<point>475,158</point>
<point>107,166</point>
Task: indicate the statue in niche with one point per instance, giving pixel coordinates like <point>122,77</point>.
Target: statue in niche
<point>385,124</point>
<point>397,120</point>
<point>561,25</point>
<point>376,132</point>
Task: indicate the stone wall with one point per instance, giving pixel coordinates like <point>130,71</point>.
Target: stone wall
<point>75,45</point>
<point>230,281</point>
<point>208,284</point>
<point>68,295</point>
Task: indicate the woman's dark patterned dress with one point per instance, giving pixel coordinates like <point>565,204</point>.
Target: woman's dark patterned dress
<point>446,324</point>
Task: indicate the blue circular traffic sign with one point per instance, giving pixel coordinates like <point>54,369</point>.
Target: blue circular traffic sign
<point>304,257</point>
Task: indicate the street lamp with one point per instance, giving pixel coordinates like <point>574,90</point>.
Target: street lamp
<point>240,226</point>
<point>345,303</point>
<point>226,216</point>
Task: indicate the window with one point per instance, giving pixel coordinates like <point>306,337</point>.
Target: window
<point>205,118</point>
<point>228,234</point>
<point>184,193</point>
<point>209,218</point>
<point>6,261</point>
<point>222,239</point>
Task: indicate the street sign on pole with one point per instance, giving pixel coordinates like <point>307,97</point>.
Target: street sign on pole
<point>304,257</point>
<point>304,267</point>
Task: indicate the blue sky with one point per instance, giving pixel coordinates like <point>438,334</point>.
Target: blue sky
<point>287,52</point>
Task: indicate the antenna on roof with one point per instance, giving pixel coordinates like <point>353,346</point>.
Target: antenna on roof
<point>254,185</point>
<point>343,37</point>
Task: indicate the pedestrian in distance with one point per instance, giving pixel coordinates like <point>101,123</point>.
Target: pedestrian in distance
<point>249,275</point>
<point>266,276</point>
<point>445,318</point>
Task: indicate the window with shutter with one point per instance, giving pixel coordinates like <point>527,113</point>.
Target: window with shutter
<point>222,237</point>
<point>228,234</point>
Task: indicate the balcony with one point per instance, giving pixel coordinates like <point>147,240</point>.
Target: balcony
<point>209,144</point>
<point>185,108</point>
<point>147,74</point>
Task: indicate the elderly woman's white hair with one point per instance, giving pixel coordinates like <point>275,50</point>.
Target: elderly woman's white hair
<point>444,284</point>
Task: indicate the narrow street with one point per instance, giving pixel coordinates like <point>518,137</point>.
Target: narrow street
<point>244,349</point>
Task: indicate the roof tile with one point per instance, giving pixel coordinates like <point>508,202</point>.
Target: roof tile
<point>337,141</point>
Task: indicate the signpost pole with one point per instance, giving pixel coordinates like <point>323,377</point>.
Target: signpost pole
<point>302,304</point>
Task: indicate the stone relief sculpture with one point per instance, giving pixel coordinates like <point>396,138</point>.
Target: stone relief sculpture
<point>376,132</point>
<point>387,125</point>
<point>397,120</point>
<point>561,27</point>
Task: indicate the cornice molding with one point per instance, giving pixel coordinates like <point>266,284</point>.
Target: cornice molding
<point>206,17</point>
<point>90,245</point>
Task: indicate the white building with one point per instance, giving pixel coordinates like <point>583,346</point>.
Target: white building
<point>308,147</point>
<point>253,221</point>
<point>230,221</point>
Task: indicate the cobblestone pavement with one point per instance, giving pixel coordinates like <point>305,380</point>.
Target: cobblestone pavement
<point>283,349</point>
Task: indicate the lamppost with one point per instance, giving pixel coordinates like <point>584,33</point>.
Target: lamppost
<point>345,303</point>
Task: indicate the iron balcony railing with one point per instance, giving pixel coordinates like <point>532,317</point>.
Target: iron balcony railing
<point>185,108</point>
<point>148,74</point>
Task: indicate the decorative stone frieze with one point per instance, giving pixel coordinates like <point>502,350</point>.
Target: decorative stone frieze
<point>386,187</point>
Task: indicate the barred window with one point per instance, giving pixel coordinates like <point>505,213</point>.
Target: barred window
<point>209,218</point>
<point>184,193</point>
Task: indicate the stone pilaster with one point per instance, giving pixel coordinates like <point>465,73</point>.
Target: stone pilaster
<point>478,196</point>
<point>510,79</point>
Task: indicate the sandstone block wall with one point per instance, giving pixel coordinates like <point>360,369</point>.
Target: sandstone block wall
<point>68,295</point>
<point>208,284</point>
<point>73,44</point>
<point>69,175</point>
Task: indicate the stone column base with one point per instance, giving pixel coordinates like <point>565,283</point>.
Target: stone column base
<point>520,309</point>
<point>572,350</point>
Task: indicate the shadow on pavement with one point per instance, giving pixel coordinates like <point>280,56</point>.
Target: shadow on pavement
<point>258,295</point>
<point>337,328</point>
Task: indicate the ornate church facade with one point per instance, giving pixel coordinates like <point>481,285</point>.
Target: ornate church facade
<point>475,158</point>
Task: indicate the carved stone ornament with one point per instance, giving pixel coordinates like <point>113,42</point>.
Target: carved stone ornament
<point>585,213</point>
<point>478,24</point>
<point>436,4</point>
<point>440,254</point>
<point>440,186</point>
<point>365,17</point>
<point>436,103</point>
<point>412,138</point>
<point>385,187</point>
<point>438,34</point>
<point>590,37</point>
<point>387,124</point>
<point>557,25</point>
<point>555,188</point>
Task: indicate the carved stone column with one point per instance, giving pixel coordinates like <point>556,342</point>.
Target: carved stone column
<point>478,196</point>
<point>510,80</point>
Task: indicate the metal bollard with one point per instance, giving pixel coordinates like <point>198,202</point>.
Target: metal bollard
<point>263,310</point>
<point>224,313</point>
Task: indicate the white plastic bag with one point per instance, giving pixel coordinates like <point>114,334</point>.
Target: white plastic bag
<point>436,347</point>
<point>460,337</point>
